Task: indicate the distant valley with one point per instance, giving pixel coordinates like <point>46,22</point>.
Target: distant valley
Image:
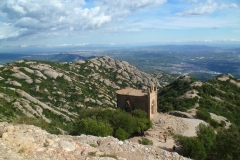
<point>201,62</point>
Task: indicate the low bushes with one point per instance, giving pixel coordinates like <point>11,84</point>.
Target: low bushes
<point>117,123</point>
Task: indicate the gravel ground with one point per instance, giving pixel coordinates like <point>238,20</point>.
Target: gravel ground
<point>176,125</point>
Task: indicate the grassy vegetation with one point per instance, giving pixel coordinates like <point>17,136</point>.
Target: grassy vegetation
<point>110,155</point>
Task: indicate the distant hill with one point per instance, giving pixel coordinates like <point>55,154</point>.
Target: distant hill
<point>59,57</point>
<point>182,47</point>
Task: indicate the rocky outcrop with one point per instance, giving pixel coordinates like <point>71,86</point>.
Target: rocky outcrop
<point>220,119</point>
<point>225,77</point>
<point>2,130</point>
<point>52,73</point>
<point>30,142</point>
<point>21,75</point>
<point>190,94</point>
<point>49,72</point>
<point>196,84</point>
<point>125,70</point>
<point>35,72</point>
<point>36,101</point>
<point>15,83</point>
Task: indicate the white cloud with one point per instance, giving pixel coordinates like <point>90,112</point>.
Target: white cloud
<point>7,31</point>
<point>71,22</point>
<point>224,6</point>
<point>32,17</point>
<point>206,8</point>
<point>131,5</point>
<point>64,45</point>
<point>231,40</point>
<point>27,22</point>
<point>215,27</point>
<point>23,46</point>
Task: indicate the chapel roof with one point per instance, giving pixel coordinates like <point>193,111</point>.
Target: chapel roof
<point>132,92</point>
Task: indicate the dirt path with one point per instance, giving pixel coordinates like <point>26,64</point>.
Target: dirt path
<point>192,124</point>
<point>169,124</point>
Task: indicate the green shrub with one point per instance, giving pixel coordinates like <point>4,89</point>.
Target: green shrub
<point>93,145</point>
<point>191,147</point>
<point>110,155</point>
<point>146,141</point>
<point>22,150</point>
<point>214,123</point>
<point>92,153</point>
<point>121,134</point>
<point>31,121</point>
<point>93,127</point>
<point>206,135</point>
<point>123,124</point>
<point>204,115</point>
<point>139,113</point>
<point>222,123</point>
<point>226,145</point>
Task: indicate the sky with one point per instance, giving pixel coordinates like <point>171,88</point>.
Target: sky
<point>53,23</point>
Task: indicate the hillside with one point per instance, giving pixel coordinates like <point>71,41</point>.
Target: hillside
<point>55,92</point>
<point>218,96</point>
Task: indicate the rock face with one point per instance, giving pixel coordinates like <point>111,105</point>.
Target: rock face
<point>30,142</point>
<point>2,130</point>
<point>21,75</point>
<point>15,83</point>
<point>125,70</point>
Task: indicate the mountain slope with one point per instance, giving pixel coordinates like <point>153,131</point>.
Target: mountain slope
<point>55,92</point>
<point>219,95</point>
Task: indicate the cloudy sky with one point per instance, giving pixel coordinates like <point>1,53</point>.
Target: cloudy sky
<point>26,23</point>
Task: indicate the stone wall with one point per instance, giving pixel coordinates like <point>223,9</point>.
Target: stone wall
<point>132,102</point>
<point>147,102</point>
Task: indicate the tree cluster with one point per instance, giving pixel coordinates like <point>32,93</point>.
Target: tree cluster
<point>117,123</point>
<point>211,146</point>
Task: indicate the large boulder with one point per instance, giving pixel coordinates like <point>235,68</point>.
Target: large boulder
<point>67,146</point>
<point>2,130</point>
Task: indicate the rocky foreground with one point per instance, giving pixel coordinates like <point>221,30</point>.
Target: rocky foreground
<point>19,142</point>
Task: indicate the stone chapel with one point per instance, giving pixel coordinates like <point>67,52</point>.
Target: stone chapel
<point>129,99</point>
